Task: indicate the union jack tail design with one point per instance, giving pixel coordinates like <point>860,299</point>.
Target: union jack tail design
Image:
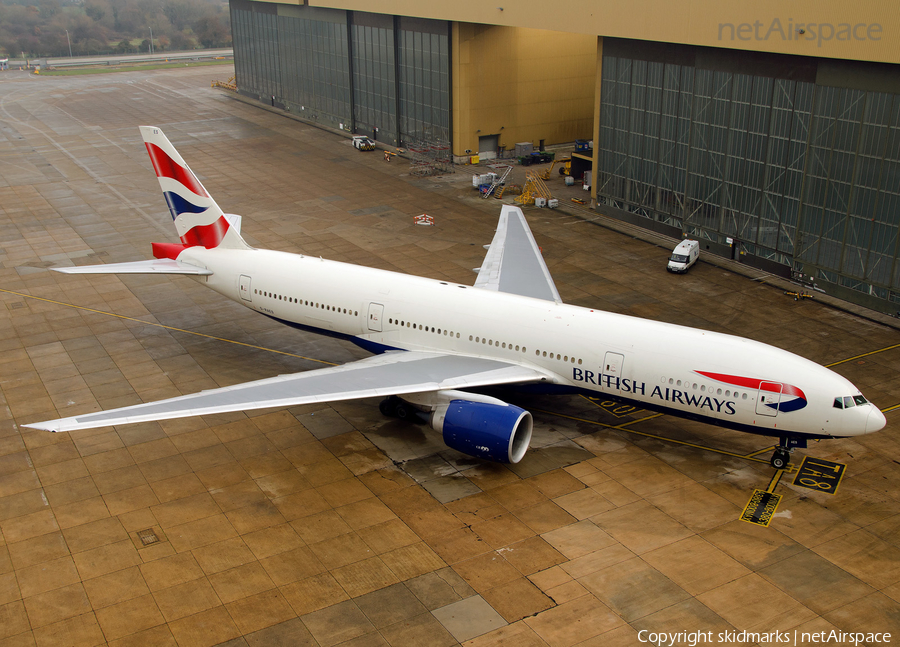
<point>198,219</point>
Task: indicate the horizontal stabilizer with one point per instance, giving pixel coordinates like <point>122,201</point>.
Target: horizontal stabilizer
<point>158,266</point>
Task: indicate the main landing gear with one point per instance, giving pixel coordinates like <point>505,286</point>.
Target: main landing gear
<point>394,407</point>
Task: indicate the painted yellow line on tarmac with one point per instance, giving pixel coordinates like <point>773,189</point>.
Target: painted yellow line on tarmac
<point>159,325</point>
<point>622,427</point>
<point>776,479</point>
<point>771,448</point>
<point>631,422</point>
<point>874,352</point>
<point>896,406</point>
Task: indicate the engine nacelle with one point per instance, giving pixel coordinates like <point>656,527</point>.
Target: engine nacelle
<point>494,432</point>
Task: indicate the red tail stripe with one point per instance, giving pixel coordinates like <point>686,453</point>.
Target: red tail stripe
<point>208,236</point>
<point>165,166</point>
<point>167,250</point>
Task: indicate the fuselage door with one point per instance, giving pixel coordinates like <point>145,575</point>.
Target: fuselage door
<point>244,288</point>
<point>376,311</point>
<point>768,398</point>
<point>613,364</point>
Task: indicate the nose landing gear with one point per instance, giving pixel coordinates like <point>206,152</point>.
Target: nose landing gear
<point>782,455</point>
<point>781,458</point>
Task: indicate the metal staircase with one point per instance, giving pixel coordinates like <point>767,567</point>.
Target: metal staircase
<point>534,188</point>
<point>498,181</point>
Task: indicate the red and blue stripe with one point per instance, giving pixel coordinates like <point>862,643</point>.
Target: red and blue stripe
<point>797,401</point>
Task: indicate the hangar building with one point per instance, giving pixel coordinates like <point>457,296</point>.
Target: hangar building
<point>770,132</point>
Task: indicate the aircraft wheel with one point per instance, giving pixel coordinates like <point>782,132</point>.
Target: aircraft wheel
<point>388,407</point>
<point>403,411</point>
<point>780,459</point>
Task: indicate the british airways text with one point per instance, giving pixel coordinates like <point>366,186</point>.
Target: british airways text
<point>625,385</point>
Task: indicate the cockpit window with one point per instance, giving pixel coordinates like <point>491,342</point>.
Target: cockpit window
<point>848,401</point>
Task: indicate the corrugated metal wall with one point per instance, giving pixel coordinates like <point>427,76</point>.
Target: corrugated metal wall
<point>378,75</point>
<point>792,172</point>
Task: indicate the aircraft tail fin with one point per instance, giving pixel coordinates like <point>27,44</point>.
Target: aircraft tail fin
<point>198,219</point>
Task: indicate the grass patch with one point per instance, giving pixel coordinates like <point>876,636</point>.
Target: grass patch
<point>107,69</point>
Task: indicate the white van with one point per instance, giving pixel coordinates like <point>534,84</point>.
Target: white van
<point>683,256</point>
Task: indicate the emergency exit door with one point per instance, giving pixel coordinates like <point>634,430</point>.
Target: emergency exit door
<point>768,398</point>
<point>244,288</point>
<point>376,311</point>
<point>613,364</point>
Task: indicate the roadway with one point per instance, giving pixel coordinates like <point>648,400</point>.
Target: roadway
<point>122,59</point>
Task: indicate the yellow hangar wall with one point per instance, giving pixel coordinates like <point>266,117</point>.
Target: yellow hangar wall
<point>524,85</point>
<point>864,30</point>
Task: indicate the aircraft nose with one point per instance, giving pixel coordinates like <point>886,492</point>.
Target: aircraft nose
<point>875,421</point>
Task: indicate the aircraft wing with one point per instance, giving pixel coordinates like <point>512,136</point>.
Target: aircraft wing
<point>158,266</point>
<point>513,263</point>
<point>393,373</point>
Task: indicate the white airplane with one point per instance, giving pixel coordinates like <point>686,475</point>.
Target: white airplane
<point>435,340</point>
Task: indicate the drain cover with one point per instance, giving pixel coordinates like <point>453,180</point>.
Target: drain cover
<point>147,537</point>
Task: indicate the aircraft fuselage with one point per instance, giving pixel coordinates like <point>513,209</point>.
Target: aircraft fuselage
<point>720,379</point>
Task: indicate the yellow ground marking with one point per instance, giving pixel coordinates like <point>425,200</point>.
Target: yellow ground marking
<point>776,479</point>
<point>874,352</point>
<point>623,427</point>
<point>172,328</point>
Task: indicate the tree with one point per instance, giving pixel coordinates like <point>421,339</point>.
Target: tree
<point>211,31</point>
<point>182,40</point>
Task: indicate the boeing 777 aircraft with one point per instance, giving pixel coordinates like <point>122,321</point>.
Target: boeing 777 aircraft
<point>435,340</point>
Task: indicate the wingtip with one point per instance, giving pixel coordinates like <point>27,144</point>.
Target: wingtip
<point>44,426</point>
